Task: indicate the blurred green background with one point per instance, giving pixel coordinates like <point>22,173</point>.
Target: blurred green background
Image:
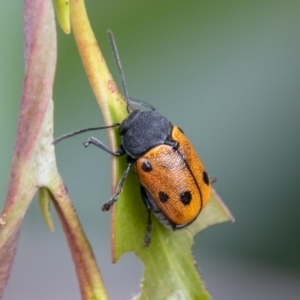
<point>228,73</point>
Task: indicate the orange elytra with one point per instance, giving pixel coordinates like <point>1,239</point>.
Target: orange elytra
<point>173,181</point>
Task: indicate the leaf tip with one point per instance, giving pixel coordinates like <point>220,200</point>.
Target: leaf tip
<point>62,9</point>
<point>44,201</point>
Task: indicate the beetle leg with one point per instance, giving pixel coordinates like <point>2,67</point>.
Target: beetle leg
<point>107,205</point>
<point>147,237</point>
<point>99,144</point>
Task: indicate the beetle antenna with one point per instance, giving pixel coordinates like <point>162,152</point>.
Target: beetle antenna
<point>65,136</point>
<point>119,65</point>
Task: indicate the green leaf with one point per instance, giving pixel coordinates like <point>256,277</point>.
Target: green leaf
<point>169,267</point>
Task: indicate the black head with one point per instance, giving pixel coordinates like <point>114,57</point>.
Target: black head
<point>143,130</point>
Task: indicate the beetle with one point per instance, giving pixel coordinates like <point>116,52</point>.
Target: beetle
<point>173,181</point>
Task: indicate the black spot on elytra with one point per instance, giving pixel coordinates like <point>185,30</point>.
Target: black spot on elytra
<point>146,166</point>
<point>163,197</point>
<point>185,198</point>
<point>205,178</point>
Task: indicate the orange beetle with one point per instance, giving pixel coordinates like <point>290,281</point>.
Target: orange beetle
<point>174,183</point>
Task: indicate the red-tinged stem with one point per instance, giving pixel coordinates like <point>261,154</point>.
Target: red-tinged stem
<point>91,285</point>
<point>40,60</point>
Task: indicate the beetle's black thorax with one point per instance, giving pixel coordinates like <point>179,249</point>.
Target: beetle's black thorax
<point>143,130</point>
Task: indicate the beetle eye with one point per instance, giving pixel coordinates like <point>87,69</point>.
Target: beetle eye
<point>146,166</point>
